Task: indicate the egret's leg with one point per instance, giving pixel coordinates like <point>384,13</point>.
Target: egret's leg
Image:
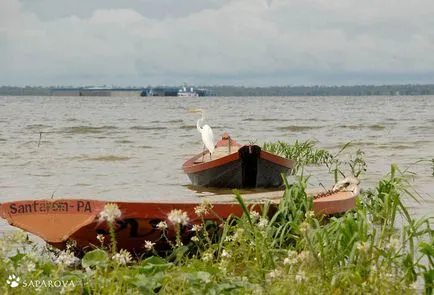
<point>210,156</point>
<point>203,153</point>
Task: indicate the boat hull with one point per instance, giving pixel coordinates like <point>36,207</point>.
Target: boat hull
<point>233,175</point>
<point>57,221</point>
<point>248,167</point>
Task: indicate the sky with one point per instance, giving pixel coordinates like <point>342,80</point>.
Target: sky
<point>216,42</point>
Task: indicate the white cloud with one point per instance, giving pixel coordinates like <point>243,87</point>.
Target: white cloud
<point>242,41</point>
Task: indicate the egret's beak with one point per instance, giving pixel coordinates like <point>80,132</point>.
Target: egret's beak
<point>195,111</point>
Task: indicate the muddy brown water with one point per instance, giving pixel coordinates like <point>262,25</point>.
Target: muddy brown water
<point>132,148</point>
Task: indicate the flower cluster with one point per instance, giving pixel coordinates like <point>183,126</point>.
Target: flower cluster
<point>122,258</point>
<point>71,244</point>
<point>19,237</point>
<point>66,258</point>
<point>226,254</point>
<point>100,238</point>
<point>207,256</point>
<point>300,276</point>
<point>196,227</point>
<point>263,223</point>
<point>177,216</point>
<point>203,208</point>
<point>149,245</point>
<point>162,225</point>
<point>110,213</point>
<point>291,259</point>
<point>304,227</point>
<point>254,215</point>
<point>27,265</point>
<point>309,214</point>
<point>274,274</point>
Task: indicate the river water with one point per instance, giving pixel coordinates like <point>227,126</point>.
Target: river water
<point>132,148</point>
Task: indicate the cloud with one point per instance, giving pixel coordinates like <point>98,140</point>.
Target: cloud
<point>207,42</point>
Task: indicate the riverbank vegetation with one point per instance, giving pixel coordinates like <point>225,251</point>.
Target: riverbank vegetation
<point>227,90</point>
<point>377,248</point>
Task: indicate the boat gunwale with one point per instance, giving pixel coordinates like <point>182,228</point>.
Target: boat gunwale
<point>276,159</point>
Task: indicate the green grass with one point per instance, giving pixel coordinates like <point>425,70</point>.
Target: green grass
<point>377,248</point>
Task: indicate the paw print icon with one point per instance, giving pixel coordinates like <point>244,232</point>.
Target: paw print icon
<point>13,281</point>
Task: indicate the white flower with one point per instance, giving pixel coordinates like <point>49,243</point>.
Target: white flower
<point>238,234</point>
<point>19,237</point>
<point>200,210</point>
<point>207,256</point>
<point>32,256</point>
<point>263,222</point>
<point>88,269</point>
<point>195,239</point>
<point>123,257</point>
<point>196,227</point>
<point>272,275</point>
<point>3,246</point>
<point>149,245</point>
<point>110,212</point>
<point>71,244</point>
<point>100,238</point>
<point>177,216</point>
<point>203,208</point>
<point>304,256</point>
<point>31,266</point>
<point>300,276</point>
<point>229,238</point>
<point>27,266</point>
<point>254,215</point>
<point>304,227</point>
<point>162,225</point>
<point>66,258</point>
<point>309,214</point>
<point>226,254</point>
<point>291,259</point>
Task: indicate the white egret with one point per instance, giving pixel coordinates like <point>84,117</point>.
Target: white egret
<point>206,132</point>
<point>348,184</point>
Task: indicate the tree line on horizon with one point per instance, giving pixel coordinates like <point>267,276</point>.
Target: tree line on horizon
<point>356,90</point>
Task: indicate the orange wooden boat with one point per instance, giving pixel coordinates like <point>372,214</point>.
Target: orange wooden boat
<point>237,166</point>
<point>58,220</point>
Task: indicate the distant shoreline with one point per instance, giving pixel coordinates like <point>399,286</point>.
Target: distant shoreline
<point>356,90</point>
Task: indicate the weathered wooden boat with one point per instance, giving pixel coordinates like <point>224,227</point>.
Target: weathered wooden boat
<point>58,220</point>
<point>237,166</point>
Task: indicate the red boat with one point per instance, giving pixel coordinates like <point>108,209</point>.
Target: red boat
<point>58,220</point>
<point>237,166</point>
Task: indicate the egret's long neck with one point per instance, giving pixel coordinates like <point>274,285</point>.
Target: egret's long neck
<point>199,124</point>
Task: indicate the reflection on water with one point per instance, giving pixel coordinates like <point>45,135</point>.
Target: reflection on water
<point>132,148</point>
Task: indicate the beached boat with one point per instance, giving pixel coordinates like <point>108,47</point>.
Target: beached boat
<point>58,220</point>
<point>237,166</point>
